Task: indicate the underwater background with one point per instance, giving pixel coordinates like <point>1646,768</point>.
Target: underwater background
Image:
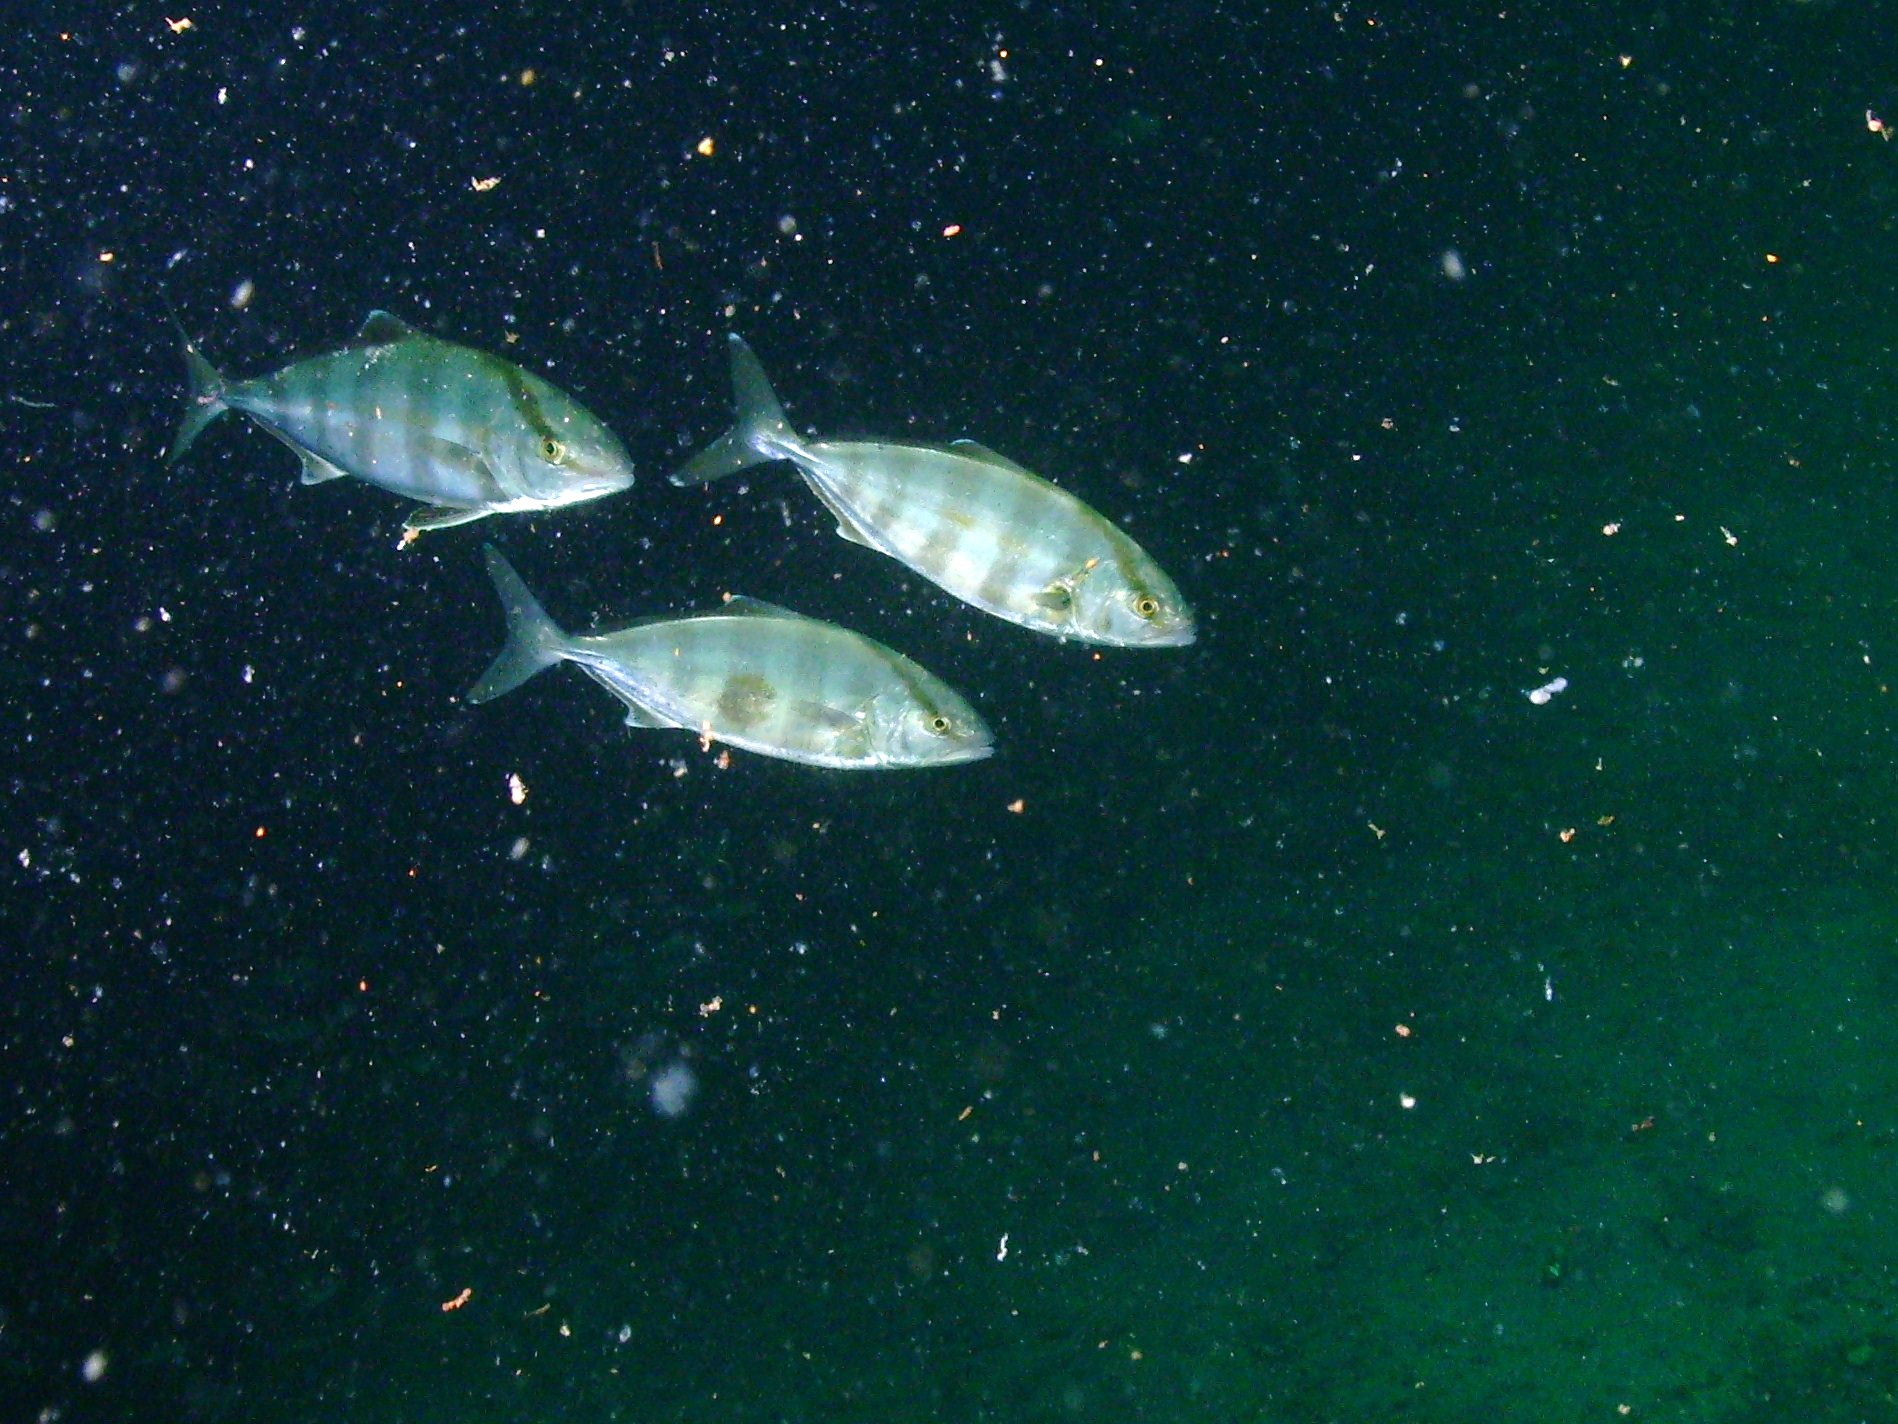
<point>1306,1025</point>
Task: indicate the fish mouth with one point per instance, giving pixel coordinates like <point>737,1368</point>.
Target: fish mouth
<point>972,751</point>
<point>610,469</point>
<point>1179,636</point>
<point>602,479</point>
<point>617,473</point>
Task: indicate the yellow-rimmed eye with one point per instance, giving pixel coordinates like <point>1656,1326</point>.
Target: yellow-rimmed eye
<point>939,724</point>
<point>552,451</point>
<point>1147,606</point>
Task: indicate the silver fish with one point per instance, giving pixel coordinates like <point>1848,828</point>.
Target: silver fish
<point>962,516</point>
<point>754,676</point>
<point>463,431</point>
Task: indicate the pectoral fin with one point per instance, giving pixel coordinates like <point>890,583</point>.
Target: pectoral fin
<point>837,719</point>
<point>430,517</point>
<point>442,472</point>
<point>1056,600</point>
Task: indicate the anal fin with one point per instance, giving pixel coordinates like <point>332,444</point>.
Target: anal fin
<point>317,470</point>
<point>847,526</point>
<point>638,714</point>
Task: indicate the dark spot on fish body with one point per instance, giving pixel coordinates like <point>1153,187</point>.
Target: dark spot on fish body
<point>745,701</point>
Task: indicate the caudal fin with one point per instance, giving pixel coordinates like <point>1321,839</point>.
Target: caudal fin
<point>761,435</point>
<point>207,401</point>
<point>533,640</point>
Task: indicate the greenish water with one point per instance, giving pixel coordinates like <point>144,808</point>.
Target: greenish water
<point>1306,1025</point>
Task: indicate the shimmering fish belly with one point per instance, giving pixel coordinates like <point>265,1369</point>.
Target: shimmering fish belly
<point>404,416</point>
<point>993,537</point>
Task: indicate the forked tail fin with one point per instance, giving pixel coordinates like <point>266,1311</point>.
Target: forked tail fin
<point>762,433</point>
<point>207,402</point>
<point>534,641</point>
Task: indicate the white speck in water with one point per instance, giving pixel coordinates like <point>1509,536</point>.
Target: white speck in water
<point>1540,696</point>
<point>672,1089</point>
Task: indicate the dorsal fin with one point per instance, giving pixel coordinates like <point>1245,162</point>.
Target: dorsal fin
<point>379,328</point>
<point>748,607</point>
<point>976,450</point>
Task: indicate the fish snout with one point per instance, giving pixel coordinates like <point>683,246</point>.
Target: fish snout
<point>1176,632</point>
<point>594,473</point>
<point>610,468</point>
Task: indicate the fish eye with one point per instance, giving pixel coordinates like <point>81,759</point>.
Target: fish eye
<point>939,724</point>
<point>552,451</point>
<point>1147,606</point>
